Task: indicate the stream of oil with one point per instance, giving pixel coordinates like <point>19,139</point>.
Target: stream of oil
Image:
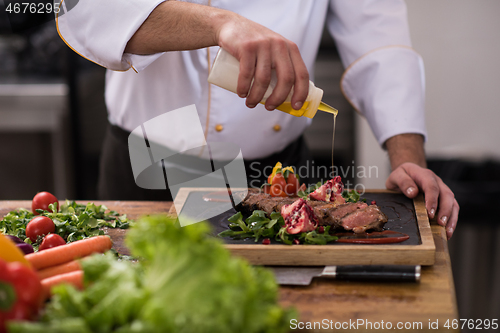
<point>327,108</point>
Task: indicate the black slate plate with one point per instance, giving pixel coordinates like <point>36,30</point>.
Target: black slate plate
<point>398,208</point>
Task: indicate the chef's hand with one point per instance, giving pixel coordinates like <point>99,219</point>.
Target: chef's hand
<point>411,177</point>
<point>259,50</point>
<point>178,25</point>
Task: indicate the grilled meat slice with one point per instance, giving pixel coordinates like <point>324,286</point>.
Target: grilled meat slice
<point>331,213</point>
<point>370,217</point>
<point>357,217</point>
<point>257,200</point>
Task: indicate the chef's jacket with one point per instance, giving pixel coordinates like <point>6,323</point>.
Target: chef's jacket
<point>384,77</point>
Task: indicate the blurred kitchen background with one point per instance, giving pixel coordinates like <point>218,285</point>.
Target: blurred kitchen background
<point>53,118</point>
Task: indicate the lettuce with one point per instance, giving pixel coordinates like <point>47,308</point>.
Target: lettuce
<point>184,282</point>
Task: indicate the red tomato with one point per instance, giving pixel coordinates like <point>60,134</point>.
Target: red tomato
<point>50,241</point>
<point>270,179</point>
<point>279,180</point>
<point>292,184</point>
<point>39,226</point>
<point>42,201</point>
<point>266,189</point>
<point>26,283</point>
<point>276,191</point>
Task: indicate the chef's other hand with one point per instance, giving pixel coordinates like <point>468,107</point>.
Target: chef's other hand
<point>260,50</point>
<point>410,178</point>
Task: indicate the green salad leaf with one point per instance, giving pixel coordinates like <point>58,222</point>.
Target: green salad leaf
<point>259,226</point>
<point>73,221</point>
<point>304,194</point>
<point>352,196</point>
<point>184,282</point>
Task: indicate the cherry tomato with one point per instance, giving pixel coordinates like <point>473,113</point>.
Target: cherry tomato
<point>39,226</point>
<point>276,191</point>
<point>50,241</point>
<point>42,201</point>
<point>26,283</point>
<point>279,180</point>
<point>266,189</point>
<point>292,184</point>
<point>270,179</point>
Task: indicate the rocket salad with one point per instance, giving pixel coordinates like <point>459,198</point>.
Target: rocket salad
<point>73,221</point>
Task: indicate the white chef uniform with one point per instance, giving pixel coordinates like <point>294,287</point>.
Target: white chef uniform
<point>384,77</point>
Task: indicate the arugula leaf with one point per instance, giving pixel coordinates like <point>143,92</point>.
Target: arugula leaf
<point>351,196</point>
<point>309,190</point>
<point>259,226</point>
<point>73,221</point>
<point>313,237</point>
<point>284,236</point>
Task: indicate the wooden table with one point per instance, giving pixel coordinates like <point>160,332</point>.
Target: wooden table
<point>335,304</point>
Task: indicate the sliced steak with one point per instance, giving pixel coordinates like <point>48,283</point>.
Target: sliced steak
<point>251,201</point>
<point>257,200</point>
<point>363,219</point>
<point>357,217</point>
<point>271,204</point>
<point>331,214</point>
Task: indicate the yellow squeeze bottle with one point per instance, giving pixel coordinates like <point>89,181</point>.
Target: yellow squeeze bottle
<point>226,69</point>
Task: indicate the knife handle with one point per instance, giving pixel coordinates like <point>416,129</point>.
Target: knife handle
<point>385,273</point>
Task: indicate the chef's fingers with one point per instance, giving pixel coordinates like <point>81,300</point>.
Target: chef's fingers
<point>427,181</point>
<point>247,71</point>
<point>446,203</point>
<point>262,76</point>
<point>400,180</point>
<point>285,74</point>
<point>301,86</point>
<point>452,222</point>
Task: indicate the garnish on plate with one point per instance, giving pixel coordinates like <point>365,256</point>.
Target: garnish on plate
<point>283,182</point>
<point>304,215</point>
<point>261,226</point>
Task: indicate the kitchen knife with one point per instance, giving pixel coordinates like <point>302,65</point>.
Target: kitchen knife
<point>302,276</point>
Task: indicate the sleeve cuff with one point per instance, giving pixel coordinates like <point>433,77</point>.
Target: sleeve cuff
<point>387,86</point>
<point>100,30</point>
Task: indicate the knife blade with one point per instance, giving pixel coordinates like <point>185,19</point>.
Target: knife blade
<point>302,276</point>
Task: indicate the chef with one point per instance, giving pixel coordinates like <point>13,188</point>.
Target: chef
<point>158,55</point>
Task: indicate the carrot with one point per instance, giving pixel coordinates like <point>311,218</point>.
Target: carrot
<point>64,253</point>
<point>70,266</point>
<point>73,278</point>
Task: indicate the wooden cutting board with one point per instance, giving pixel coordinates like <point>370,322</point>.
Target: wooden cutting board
<point>405,215</point>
